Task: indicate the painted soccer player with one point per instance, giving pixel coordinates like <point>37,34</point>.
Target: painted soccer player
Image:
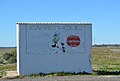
<point>58,47</point>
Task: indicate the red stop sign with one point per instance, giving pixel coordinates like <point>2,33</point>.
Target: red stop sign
<point>73,40</point>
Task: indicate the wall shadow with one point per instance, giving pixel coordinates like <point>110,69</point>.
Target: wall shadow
<point>107,72</point>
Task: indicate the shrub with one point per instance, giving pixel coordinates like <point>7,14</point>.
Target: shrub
<point>9,58</point>
<point>2,73</point>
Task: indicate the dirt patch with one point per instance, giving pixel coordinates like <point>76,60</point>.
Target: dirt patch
<point>11,73</point>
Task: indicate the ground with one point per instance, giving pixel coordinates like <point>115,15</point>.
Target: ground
<point>105,61</point>
<point>69,78</point>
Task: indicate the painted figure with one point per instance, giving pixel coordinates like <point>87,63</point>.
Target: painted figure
<point>58,47</point>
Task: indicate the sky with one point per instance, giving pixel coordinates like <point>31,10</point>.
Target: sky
<point>104,15</point>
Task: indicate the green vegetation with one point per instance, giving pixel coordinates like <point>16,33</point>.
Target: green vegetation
<point>2,73</point>
<point>8,58</point>
<point>51,74</point>
<point>105,61</point>
<point>56,74</point>
<point>8,67</point>
<point>7,49</point>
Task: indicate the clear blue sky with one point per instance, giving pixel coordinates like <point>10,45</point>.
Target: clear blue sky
<point>104,15</point>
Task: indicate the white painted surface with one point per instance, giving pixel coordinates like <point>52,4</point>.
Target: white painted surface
<point>36,54</point>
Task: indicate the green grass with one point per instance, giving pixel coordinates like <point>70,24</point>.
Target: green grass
<point>105,61</point>
<point>4,50</point>
<point>8,67</point>
<point>7,49</point>
<point>2,73</point>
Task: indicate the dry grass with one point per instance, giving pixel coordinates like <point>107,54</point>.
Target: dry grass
<point>105,59</point>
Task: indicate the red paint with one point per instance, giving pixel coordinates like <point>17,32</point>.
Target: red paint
<point>73,40</point>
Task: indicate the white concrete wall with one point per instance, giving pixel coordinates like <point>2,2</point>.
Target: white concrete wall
<point>30,60</point>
